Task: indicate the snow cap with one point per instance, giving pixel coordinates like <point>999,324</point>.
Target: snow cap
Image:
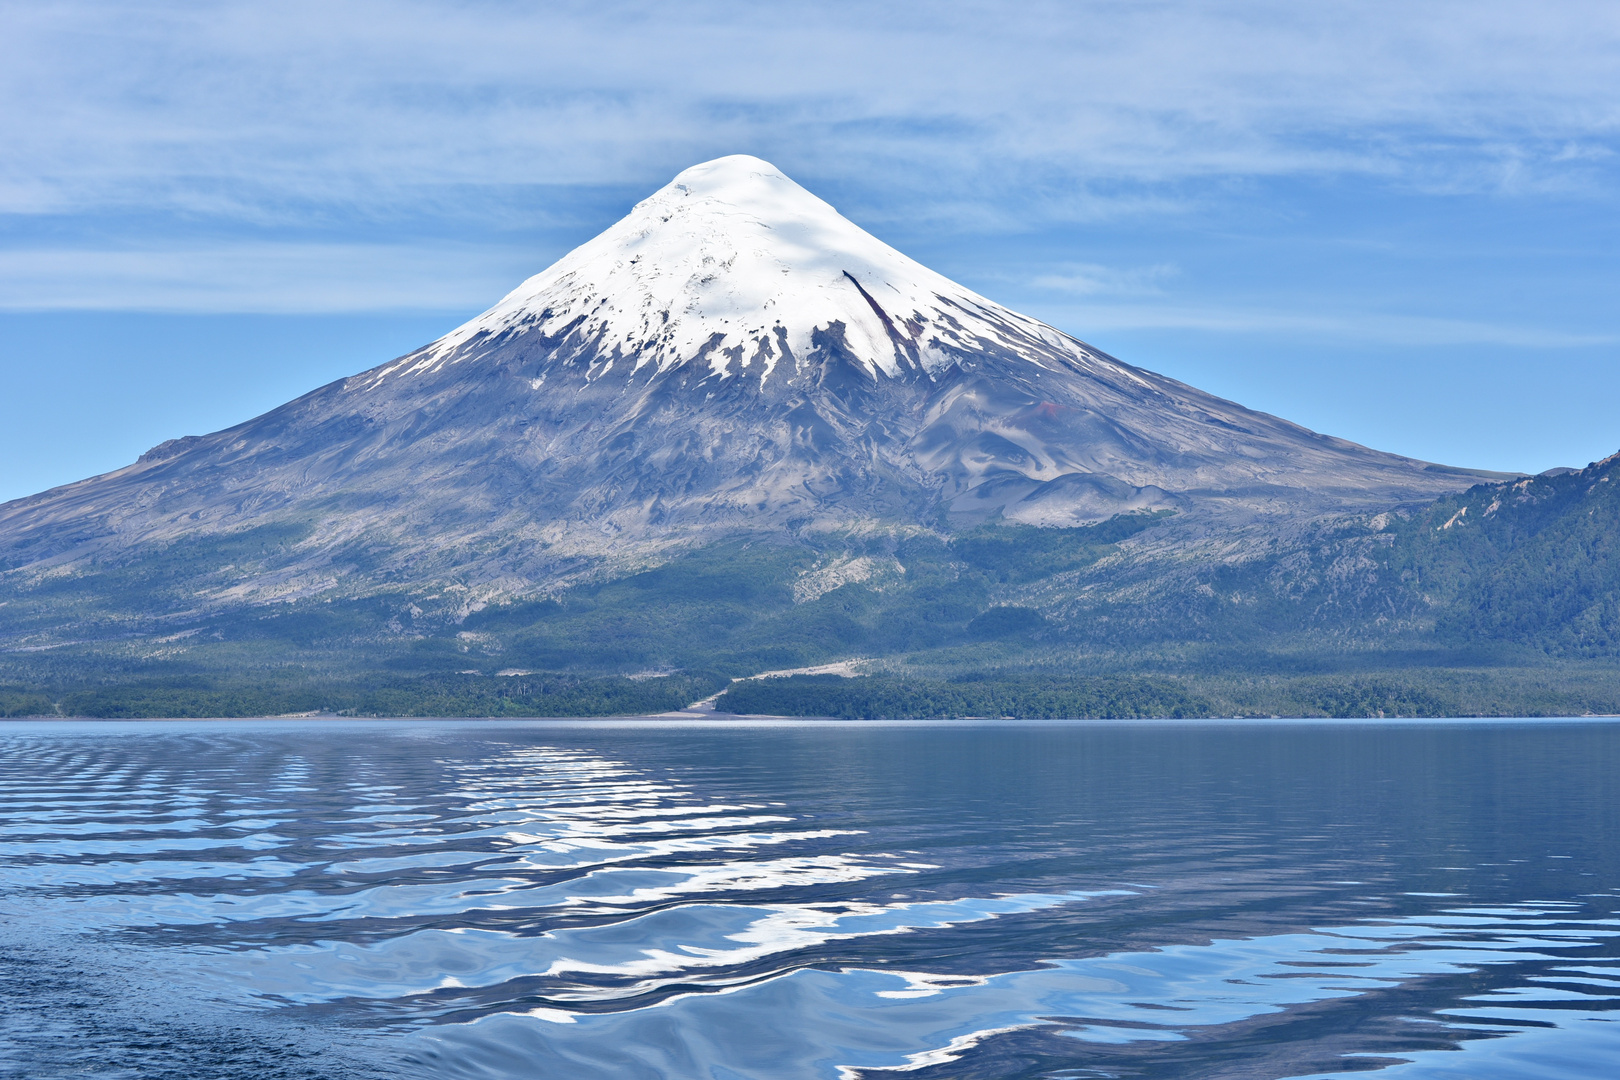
<point>733,263</point>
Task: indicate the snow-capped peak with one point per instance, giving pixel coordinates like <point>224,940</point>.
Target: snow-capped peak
<point>733,262</point>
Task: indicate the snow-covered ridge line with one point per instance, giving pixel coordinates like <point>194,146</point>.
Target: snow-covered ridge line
<point>733,262</point>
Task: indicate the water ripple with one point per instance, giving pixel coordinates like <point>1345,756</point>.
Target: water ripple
<point>513,900</point>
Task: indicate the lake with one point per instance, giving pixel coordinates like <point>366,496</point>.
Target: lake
<point>725,900</point>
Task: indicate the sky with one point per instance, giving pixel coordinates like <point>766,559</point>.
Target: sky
<point>1393,222</point>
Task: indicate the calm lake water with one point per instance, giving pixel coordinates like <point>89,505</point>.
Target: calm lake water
<point>281,899</point>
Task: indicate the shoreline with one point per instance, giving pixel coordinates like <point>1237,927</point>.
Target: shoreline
<point>713,719</point>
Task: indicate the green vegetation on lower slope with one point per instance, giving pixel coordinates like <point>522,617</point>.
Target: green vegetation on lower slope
<point>1535,561</point>
<point>1567,690</point>
<point>1026,696</point>
<point>218,694</point>
<point>1501,600</point>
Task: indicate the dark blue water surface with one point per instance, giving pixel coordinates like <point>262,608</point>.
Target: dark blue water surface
<point>281,899</point>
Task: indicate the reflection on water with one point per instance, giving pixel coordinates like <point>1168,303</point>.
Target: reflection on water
<point>485,900</point>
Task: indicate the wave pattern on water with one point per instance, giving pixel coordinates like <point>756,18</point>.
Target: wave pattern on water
<point>515,900</point>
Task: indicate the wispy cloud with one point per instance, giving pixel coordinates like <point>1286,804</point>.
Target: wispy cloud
<point>1093,279</point>
<point>256,277</point>
<point>1364,326</point>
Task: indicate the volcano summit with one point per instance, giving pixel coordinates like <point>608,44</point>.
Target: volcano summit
<point>732,357</point>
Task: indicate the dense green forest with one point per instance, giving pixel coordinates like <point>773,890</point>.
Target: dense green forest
<point>1501,600</point>
<point>220,694</point>
<point>1556,691</point>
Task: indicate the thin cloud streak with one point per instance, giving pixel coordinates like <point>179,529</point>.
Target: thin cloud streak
<point>1367,326</point>
<point>260,278</point>
<point>1094,279</point>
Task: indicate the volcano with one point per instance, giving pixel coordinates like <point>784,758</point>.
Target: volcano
<point>732,357</point>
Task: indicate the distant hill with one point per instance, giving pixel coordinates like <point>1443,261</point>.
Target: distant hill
<point>1521,568</point>
<point>1536,562</point>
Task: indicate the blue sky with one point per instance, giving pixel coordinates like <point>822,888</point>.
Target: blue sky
<point>1392,222</point>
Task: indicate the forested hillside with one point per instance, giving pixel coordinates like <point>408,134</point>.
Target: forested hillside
<point>1536,561</point>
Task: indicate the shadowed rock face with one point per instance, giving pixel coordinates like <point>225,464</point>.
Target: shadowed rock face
<point>733,355</point>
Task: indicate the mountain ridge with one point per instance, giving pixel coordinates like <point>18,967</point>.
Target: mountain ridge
<point>731,357</point>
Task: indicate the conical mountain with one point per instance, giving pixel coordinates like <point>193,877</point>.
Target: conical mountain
<point>733,355</point>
